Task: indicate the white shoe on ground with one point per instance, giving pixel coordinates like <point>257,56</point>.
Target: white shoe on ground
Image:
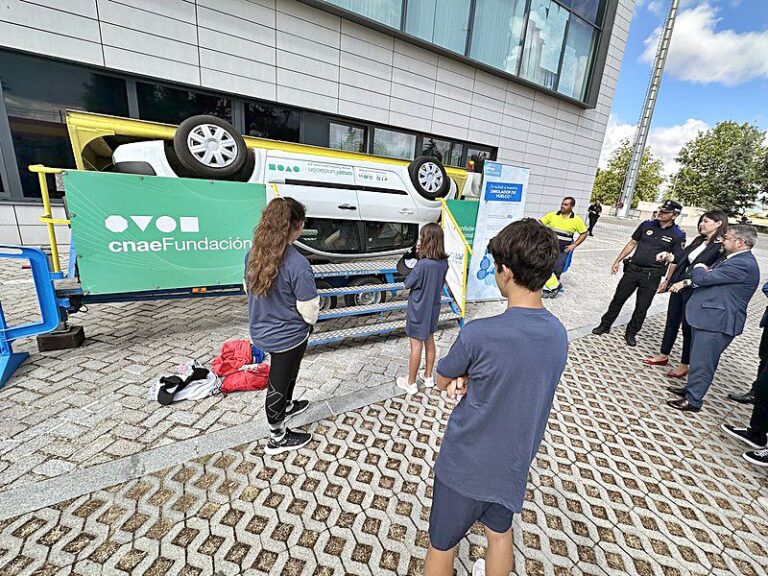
<point>428,382</point>
<point>403,384</point>
<point>479,568</point>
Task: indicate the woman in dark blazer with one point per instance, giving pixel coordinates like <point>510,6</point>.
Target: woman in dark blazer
<point>704,249</point>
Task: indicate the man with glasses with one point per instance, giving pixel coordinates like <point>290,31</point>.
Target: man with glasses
<point>717,311</point>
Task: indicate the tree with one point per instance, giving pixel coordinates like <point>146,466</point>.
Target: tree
<point>724,168</point>
<point>608,182</point>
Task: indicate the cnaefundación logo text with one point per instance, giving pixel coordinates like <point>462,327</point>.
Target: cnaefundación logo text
<point>166,225</point>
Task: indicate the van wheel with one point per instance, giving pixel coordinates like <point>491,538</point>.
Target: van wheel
<point>326,302</point>
<point>429,177</point>
<point>366,298</point>
<point>209,147</point>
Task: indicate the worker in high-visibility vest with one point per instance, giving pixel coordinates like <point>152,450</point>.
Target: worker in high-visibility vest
<point>566,224</point>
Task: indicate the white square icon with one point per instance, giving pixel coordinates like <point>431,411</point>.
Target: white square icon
<point>189,224</point>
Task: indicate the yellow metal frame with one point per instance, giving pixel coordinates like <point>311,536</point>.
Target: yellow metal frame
<point>47,217</point>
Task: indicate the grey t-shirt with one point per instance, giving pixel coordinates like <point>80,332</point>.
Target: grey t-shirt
<point>514,362</point>
<point>275,323</point>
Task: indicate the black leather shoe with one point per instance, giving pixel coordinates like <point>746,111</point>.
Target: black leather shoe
<point>677,390</point>
<point>683,405</point>
<point>746,398</point>
<point>630,339</point>
<point>600,330</point>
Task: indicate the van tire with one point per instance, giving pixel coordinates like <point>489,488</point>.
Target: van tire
<point>198,131</point>
<point>429,177</point>
<point>326,302</point>
<point>246,171</point>
<point>366,298</point>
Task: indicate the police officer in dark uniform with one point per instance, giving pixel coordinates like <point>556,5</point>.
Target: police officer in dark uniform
<point>645,269</point>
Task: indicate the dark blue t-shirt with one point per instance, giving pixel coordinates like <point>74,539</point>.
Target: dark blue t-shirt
<point>514,362</point>
<point>275,323</point>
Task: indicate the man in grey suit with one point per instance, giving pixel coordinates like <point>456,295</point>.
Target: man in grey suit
<point>717,311</point>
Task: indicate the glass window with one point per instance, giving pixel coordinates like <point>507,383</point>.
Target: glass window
<point>592,10</point>
<point>37,93</point>
<point>449,153</point>
<point>476,158</point>
<point>273,122</point>
<point>393,144</point>
<point>497,33</point>
<point>338,236</point>
<point>386,236</point>
<point>544,42</point>
<point>174,105</point>
<point>344,137</point>
<point>443,22</point>
<point>387,12</point>
<point>577,57</point>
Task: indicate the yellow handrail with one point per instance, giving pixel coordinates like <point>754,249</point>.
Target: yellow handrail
<point>47,217</point>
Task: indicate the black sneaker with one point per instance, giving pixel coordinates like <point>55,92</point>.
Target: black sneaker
<point>746,398</point>
<point>600,330</point>
<point>630,339</point>
<point>743,435</point>
<point>290,441</point>
<point>297,407</point>
<point>757,457</point>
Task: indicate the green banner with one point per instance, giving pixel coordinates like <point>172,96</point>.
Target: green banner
<point>138,233</point>
<point>465,213</point>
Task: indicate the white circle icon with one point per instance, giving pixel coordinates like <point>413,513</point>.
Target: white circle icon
<point>116,223</point>
<point>165,224</point>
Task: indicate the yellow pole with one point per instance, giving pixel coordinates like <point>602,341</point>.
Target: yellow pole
<point>48,213</point>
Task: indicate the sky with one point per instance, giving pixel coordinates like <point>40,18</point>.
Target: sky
<point>717,69</point>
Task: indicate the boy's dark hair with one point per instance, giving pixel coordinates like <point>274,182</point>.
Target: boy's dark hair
<point>529,249</point>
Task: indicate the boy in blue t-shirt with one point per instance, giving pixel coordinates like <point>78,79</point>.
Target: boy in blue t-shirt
<point>506,368</point>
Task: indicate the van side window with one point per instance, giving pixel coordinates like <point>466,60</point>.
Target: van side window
<point>385,236</point>
<point>339,236</point>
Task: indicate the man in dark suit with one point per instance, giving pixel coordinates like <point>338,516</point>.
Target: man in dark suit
<point>594,211</point>
<point>717,311</point>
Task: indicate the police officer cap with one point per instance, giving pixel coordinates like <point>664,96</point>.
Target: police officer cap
<point>671,206</point>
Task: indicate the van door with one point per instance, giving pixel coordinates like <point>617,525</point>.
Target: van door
<point>384,197</point>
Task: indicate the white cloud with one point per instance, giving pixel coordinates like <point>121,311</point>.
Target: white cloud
<point>701,54</point>
<point>655,7</point>
<point>665,141</point>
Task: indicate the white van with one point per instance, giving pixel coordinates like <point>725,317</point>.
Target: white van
<point>355,208</point>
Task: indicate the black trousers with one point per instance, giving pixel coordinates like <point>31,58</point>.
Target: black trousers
<point>676,318</point>
<point>592,221</point>
<point>758,424</point>
<point>762,352</point>
<point>284,368</point>
<point>562,258</point>
<point>646,285</point>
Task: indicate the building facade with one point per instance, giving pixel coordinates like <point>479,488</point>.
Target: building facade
<point>526,82</point>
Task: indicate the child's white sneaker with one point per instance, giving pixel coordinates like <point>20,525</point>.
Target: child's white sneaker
<point>402,383</point>
<point>428,382</point>
<point>479,568</point>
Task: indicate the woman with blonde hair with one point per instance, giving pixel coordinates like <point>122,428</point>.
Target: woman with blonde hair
<point>283,305</point>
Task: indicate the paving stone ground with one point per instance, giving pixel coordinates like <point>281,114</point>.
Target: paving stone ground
<point>621,484</point>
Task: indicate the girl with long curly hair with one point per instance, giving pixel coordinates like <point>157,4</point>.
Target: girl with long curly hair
<point>283,305</point>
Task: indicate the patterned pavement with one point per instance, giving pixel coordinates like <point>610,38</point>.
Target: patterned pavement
<point>622,485</point>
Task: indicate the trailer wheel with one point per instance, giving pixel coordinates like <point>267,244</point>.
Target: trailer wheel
<point>429,177</point>
<point>366,298</point>
<point>326,302</point>
<point>209,147</point>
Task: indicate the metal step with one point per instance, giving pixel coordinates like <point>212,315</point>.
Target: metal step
<point>359,268</point>
<point>390,306</point>
<point>361,289</point>
<point>321,338</point>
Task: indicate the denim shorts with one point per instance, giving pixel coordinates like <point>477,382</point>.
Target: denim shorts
<point>452,515</point>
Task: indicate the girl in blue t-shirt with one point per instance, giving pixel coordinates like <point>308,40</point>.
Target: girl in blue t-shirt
<point>425,282</point>
<point>282,307</point>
